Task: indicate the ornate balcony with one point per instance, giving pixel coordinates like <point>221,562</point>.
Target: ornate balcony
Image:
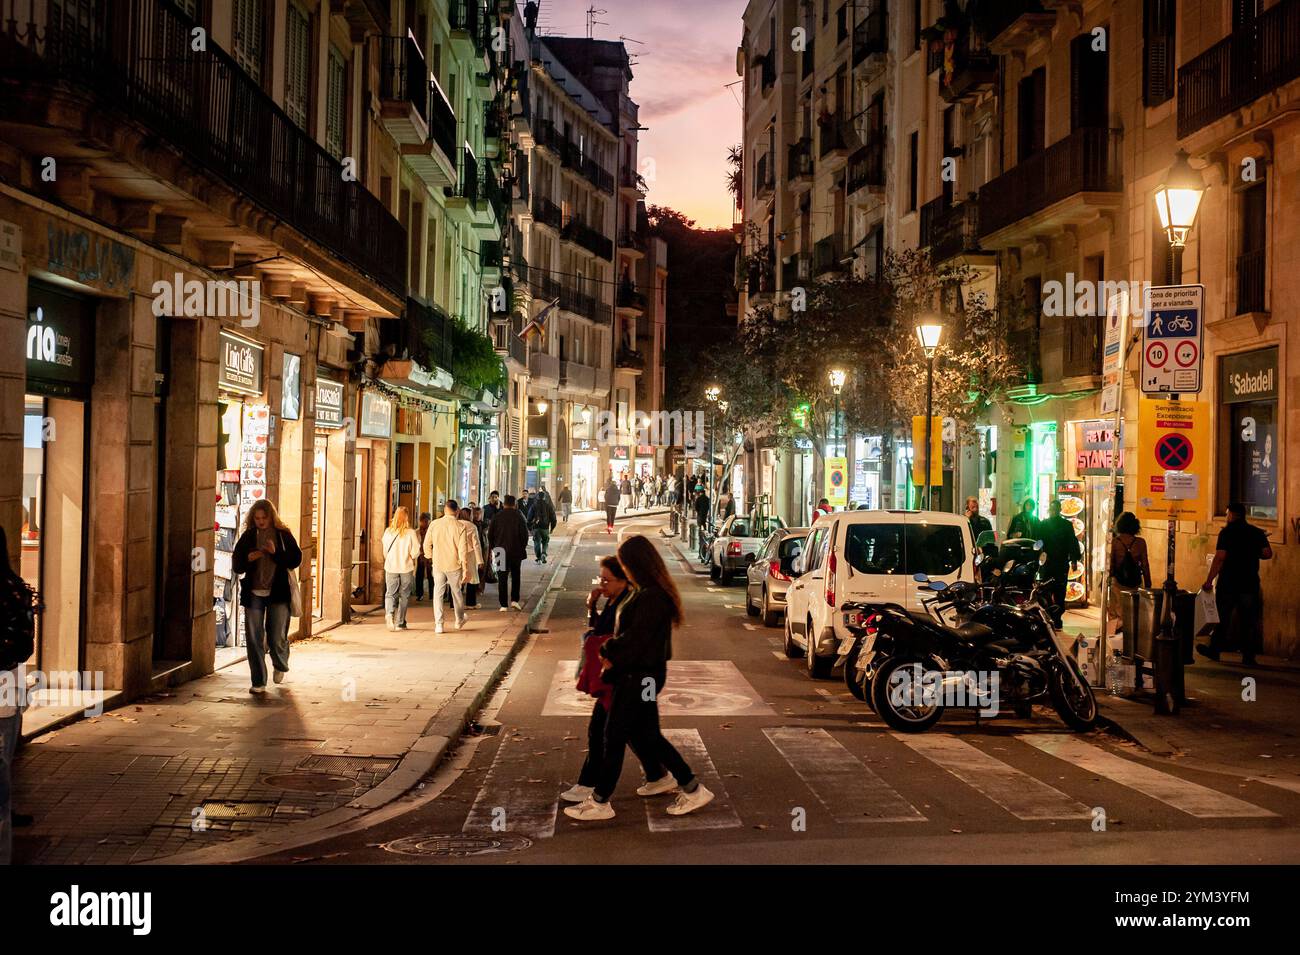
<point>950,229</point>
<point>871,37</point>
<point>867,168</point>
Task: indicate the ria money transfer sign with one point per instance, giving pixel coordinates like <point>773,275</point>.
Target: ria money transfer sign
<point>1173,459</point>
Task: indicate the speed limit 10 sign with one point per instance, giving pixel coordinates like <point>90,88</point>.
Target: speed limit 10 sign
<point>1172,336</point>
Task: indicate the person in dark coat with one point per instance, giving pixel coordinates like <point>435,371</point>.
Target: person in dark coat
<point>636,660</point>
<point>1063,551</point>
<point>978,522</point>
<point>265,554</point>
<point>612,495</point>
<point>508,531</point>
<point>492,507</point>
<point>1237,553</point>
<point>1025,524</point>
<point>566,502</point>
<point>613,587</point>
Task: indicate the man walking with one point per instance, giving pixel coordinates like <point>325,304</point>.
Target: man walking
<point>978,522</point>
<point>444,545</point>
<point>703,506</point>
<point>1063,551</point>
<point>1025,524</point>
<point>508,533</point>
<point>492,507</point>
<point>1240,548</point>
<point>541,521</point>
<point>566,502</point>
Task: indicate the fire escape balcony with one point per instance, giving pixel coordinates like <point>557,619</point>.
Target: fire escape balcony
<point>1071,182</point>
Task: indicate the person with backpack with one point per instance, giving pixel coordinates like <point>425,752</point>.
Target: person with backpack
<point>18,608</point>
<point>541,521</point>
<point>1129,567</point>
<point>265,554</point>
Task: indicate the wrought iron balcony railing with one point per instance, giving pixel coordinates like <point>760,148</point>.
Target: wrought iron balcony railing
<point>871,35</point>
<point>948,228</point>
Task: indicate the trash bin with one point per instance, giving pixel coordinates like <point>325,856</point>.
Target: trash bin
<point>1140,617</point>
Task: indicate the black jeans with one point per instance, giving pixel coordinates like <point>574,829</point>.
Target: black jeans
<point>1248,602</point>
<point>634,721</point>
<point>591,766</point>
<point>423,572</point>
<point>508,581</point>
<point>610,513</point>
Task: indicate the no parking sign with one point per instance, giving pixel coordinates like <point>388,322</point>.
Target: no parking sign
<point>1173,459</point>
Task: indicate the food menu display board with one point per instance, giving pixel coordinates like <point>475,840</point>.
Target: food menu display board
<point>1073,497</point>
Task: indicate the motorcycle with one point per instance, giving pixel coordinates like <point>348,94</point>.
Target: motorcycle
<point>911,666</point>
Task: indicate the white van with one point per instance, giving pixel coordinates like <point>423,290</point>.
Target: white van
<point>868,556</point>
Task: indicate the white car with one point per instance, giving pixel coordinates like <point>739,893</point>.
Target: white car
<point>868,556</point>
<point>739,540</point>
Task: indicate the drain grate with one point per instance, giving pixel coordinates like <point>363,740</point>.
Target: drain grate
<point>222,809</point>
<point>340,765</point>
<point>310,782</point>
<point>458,845</point>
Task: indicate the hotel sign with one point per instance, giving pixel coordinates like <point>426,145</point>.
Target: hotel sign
<point>240,365</point>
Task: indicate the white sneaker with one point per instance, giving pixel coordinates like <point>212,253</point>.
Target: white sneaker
<point>514,605</point>
<point>666,784</point>
<point>437,628</point>
<point>577,794</point>
<point>689,802</point>
<point>259,690</point>
<point>505,609</point>
<point>460,624</point>
<point>388,621</point>
<point>589,809</point>
<point>279,676</point>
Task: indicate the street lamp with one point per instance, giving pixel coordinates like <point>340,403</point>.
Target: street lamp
<point>929,333</point>
<point>542,406</point>
<point>713,393</point>
<point>1178,199</point>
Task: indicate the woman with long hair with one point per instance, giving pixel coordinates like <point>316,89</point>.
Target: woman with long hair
<point>636,666</point>
<point>401,543</point>
<point>473,547</point>
<point>265,554</point>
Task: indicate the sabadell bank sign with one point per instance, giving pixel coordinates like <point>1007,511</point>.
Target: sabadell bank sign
<point>1250,376</point>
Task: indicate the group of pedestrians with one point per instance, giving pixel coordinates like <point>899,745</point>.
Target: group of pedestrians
<point>625,656</point>
<point>641,491</point>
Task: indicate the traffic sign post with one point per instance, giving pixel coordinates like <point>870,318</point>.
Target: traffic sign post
<point>1172,340</point>
<point>837,482</point>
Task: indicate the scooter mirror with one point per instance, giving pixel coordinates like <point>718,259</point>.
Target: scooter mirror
<point>937,585</point>
<point>979,559</point>
<point>1038,545</point>
<point>920,578</point>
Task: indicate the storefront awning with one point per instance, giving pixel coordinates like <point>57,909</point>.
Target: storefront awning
<point>409,374</point>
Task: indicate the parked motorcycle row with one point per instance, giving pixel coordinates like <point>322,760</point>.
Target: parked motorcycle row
<point>985,644</point>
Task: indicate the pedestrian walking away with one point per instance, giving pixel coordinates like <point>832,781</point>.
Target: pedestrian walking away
<point>475,548</point>
<point>541,521</point>
<point>566,503</point>
<point>401,555</point>
<point>265,554</point>
<point>612,496</point>
<point>508,542</point>
<point>1240,548</point>
<point>613,587</point>
<point>18,608</point>
<point>446,547</point>
<point>423,566</point>
<point>1129,565</point>
<point>1061,546</point>
<point>636,666</point>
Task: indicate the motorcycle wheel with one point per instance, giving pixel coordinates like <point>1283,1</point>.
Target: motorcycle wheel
<point>851,673</point>
<point>1072,696</point>
<point>905,719</point>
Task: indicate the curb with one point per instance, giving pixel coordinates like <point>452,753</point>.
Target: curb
<point>440,736</point>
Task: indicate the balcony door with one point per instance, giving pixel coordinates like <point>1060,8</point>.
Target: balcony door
<point>1089,84</point>
<point>1031,114</point>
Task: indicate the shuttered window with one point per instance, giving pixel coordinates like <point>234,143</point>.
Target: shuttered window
<point>246,37</point>
<point>1089,84</point>
<point>297,66</point>
<point>336,105</point>
<point>1158,33</point>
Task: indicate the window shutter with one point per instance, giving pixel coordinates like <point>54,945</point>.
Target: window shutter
<point>336,104</point>
<point>297,65</point>
<point>247,40</point>
<point>1158,36</point>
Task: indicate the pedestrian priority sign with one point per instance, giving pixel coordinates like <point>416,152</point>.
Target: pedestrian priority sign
<point>1173,459</point>
<point>1172,339</point>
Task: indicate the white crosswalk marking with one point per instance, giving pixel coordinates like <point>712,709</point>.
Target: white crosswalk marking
<point>847,788</point>
<point>521,792</point>
<point>717,814</point>
<point>779,654</point>
<point>1018,793</point>
<point>1184,795</point>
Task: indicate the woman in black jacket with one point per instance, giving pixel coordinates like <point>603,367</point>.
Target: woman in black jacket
<point>636,665</point>
<point>265,554</point>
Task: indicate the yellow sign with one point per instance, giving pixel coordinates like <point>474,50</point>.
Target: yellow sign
<point>918,451</point>
<point>1173,459</point>
<point>837,481</point>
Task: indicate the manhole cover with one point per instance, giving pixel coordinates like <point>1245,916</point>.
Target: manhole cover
<point>348,764</point>
<point>457,845</point>
<point>310,782</point>
<point>222,809</point>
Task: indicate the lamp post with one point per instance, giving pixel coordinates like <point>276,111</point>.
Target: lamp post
<point>837,377</point>
<point>929,333</point>
<point>1178,200</point>
<point>713,393</point>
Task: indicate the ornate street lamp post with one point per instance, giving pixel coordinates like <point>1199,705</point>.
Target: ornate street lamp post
<point>929,334</point>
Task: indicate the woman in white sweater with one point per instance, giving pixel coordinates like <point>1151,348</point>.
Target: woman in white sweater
<point>401,550</point>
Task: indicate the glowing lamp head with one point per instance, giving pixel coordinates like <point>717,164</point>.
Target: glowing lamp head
<point>929,334</point>
<point>838,376</point>
<point>1178,199</point>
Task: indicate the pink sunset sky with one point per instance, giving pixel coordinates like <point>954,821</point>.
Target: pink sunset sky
<point>684,60</point>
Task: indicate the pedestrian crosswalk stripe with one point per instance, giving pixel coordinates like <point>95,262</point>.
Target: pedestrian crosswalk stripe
<point>779,654</point>
<point>847,788</point>
<point>521,792</point>
<point>718,814</point>
<point>1184,795</point>
<point>1018,793</point>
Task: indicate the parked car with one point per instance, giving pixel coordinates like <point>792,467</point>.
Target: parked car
<point>738,542</point>
<point>871,557</point>
<point>768,577</point>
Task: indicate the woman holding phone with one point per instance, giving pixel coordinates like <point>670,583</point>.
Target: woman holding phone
<point>265,554</point>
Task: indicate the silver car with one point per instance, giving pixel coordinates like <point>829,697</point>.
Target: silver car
<point>768,577</point>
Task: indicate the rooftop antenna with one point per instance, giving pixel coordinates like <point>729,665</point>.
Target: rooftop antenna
<point>592,22</point>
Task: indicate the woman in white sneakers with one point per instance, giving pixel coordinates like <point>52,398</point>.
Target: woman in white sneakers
<point>401,551</point>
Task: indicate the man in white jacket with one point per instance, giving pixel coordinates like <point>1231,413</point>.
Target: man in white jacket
<point>445,546</point>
